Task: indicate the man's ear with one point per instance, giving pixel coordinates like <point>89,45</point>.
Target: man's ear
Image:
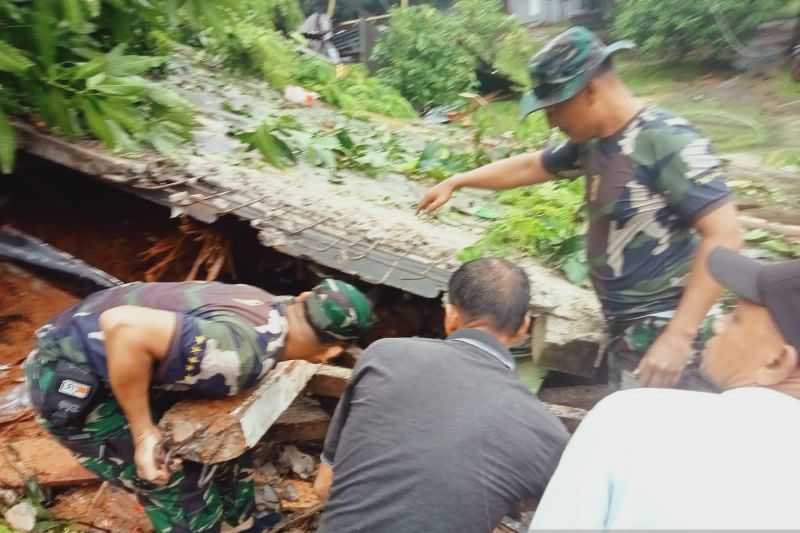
<point>524,328</point>
<point>779,367</point>
<point>303,296</point>
<point>452,319</point>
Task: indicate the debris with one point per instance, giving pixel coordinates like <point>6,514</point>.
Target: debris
<point>300,463</point>
<point>22,516</point>
<point>116,511</point>
<point>297,520</point>
<point>303,421</point>
<point>267,473</point>
<point>8,497</point>
<point>267,499</point>
<point>99,493</point>
<point>571,417</point>
<point>297,95</point>
<point>223,429</point>
<point>298,496</point>
<point>290,493</point>
<point>14,402</point>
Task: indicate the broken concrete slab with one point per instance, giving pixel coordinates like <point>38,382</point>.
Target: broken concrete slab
<point>212,431</point>
<point>304,420</point>
<point>555,346</point>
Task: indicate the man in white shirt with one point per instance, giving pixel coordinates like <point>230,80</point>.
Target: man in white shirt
<point>673,459</point>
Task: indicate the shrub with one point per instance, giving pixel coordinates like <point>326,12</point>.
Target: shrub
<point>678,28</point>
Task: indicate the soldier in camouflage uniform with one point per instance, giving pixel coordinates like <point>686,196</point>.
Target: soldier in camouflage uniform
<point>656,199</point>
<point>106,370</point>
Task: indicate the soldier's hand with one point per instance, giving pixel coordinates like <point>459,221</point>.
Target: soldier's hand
<point>149,456</point>
<point>436,197</point>
<point>664,362</point>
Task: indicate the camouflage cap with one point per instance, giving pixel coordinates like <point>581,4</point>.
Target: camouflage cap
<point>564,66</point>
<point>339,309</point>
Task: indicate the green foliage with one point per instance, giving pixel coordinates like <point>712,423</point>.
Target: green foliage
<point>417,56</point>
<point>495,38</point>
<point>547,221</point>
<point>439,162</point>
<point>59,60</point>
<point>355,92</point>
<point>251,47</point>
<point>678,28</point>
<point>431,57</point>
<point>270,138</point>
<point>772,246</point>
<point>284,141</point>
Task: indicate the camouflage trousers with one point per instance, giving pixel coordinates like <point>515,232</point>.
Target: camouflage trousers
<point>197,498</point>
<point>629,341</point>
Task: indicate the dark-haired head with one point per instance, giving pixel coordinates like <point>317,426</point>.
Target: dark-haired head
<point>492,294</point>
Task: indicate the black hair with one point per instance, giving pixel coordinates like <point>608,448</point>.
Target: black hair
<point>494,289</point>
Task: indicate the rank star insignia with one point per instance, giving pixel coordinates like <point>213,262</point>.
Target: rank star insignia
<point>199,340</point>
<point>189,367</point>
<point>193,360</point>
<point>196,349</point>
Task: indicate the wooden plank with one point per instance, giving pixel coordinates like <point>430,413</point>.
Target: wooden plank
<point>304,420</point>
<point>212,431</point>
<point>329,381</point>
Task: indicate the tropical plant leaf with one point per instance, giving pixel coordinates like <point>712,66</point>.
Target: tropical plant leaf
<point>7,144</point>
<point>13,59</point>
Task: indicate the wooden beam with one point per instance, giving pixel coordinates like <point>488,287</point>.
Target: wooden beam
<point>303,421</point>
<point>212,431</point>
<point>329,381</point>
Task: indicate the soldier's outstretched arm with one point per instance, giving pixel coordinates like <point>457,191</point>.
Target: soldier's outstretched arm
<point>516,171</point>
<point>136,339</point>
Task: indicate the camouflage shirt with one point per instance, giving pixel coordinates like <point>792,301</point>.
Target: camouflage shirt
<point>226,336</point>
<point>646,186</point>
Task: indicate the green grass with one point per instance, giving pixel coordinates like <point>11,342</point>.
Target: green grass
<point>787,87</point>
<point>789,10</point>
<point>651,79</point>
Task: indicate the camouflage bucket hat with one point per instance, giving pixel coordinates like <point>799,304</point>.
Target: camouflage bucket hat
<point>339,309</point>
<point>564,67</point>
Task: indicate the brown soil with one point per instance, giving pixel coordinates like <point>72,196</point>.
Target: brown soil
<point>26,303</point>
<point>109,508</point>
